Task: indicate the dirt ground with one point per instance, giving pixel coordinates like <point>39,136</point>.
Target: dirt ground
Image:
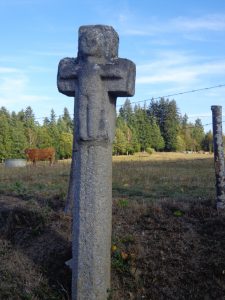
<point>159,251</point>
<point>178,253</point>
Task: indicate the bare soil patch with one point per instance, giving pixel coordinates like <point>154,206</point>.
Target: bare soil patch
<point>175,251</point>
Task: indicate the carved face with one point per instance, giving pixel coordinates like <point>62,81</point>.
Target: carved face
<point>91,44</point>
<point>98,41</point>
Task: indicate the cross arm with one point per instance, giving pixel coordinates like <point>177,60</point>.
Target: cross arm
<point>67,75</point>
<point>119,77</point>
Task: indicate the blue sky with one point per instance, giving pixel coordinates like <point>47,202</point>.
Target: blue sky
<point>177,46</point>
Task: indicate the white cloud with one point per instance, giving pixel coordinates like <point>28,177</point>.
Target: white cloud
<point>179,77</point>
<point>181,25</point>
<point>123,18</point>
<point>209,22</point>
<point>178,68</point>
<point>4,70</point>
<point>14,88</point>
<point>39,69</point>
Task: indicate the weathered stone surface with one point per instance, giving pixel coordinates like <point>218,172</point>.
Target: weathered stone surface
<point>219,156</point>
<point>97,75</point>
<point>96,78</point>
<point>92,222</point>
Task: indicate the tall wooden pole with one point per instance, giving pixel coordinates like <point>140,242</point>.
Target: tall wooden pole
<point>218,156</point>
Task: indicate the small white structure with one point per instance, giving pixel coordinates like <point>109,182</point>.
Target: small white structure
<point>15,163</point>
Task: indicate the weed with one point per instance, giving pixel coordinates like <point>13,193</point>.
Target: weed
<point>26,296</point>
<point>110,294</point>
<point>178,213</point>
<point>119,261</point>
<point>123,203</point>
<point>18,187</point>
<point>127,239</point>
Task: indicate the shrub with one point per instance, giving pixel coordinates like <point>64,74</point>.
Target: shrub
<point>150,150</point>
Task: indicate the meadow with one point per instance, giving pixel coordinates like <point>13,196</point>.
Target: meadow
<point>167,242</point>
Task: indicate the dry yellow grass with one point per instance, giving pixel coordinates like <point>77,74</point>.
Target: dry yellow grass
<point>161,156</point>
<point>175,176</point>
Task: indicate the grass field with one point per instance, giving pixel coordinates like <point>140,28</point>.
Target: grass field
<point>168,240</point>
<point>165,176</point>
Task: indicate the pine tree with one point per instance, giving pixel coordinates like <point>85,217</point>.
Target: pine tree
<point>44,139</point>
<point>120,143</point>
<point>61,125</point>
<point>157,141</point>
<point>18,137</point>
<point>133,145</point>
<point>5,137</point>
<point>4,111</point>
<point>143,128</point>
<point>53,131</point>
<point>68,121</point>
<point>126,122</point>
<point>207,143</point>
<point>180,144</point>
<point>167,117</point>
<point>28,119</point>
<point>198,134</point>
<point>126,112</point>
<point>65,145</point>
<point>52,117</point>
<point>46,121</point>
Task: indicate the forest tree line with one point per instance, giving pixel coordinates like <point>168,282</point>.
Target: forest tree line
<point>156,127</point>
<point>21,130</point>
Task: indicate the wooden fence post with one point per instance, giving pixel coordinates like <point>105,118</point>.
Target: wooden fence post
<point>218,156</point>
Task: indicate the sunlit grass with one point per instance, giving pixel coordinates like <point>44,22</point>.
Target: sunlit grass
<point>175,176</point>
<point>30,182</point>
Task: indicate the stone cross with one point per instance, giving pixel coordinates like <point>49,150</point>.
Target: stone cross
<point>96,78</point>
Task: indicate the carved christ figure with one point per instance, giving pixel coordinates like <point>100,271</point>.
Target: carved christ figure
<point>96,78</point>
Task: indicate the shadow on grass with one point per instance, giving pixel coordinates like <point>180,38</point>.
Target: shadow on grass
<point>126,191</point>
<point>34,244</point>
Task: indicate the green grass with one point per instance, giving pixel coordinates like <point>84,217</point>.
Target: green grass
<point>41,182</point>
